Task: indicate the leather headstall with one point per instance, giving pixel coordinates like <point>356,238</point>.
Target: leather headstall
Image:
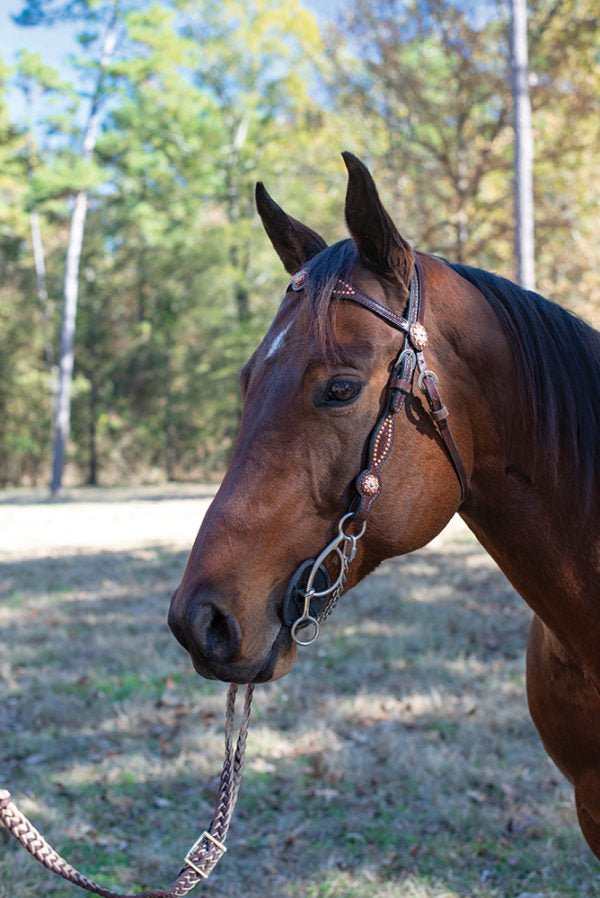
<point>400,384</point>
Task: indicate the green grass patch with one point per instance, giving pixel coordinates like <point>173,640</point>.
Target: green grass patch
<point>397,760</point>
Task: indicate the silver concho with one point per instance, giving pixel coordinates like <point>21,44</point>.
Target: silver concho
<point>299,279</point>
<point>370,484</point>
<point>418,336</point>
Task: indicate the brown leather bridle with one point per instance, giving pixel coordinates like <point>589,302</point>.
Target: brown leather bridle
<point>310,590</point>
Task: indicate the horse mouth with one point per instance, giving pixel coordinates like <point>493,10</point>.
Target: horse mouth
<point>279,662</point>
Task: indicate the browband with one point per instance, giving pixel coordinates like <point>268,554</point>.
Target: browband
<point>345,290</point>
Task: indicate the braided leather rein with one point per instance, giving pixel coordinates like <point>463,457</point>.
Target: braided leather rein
<point>202,856</point>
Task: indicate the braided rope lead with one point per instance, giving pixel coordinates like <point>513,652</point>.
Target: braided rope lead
<point>201,858</point>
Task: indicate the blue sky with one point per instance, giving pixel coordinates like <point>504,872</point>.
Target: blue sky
<point>52,43</point>
<point>56,42</point>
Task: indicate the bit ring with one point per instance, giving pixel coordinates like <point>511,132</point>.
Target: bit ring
<point>300,624</point>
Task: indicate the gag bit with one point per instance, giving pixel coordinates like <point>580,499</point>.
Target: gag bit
<point>344,547</point>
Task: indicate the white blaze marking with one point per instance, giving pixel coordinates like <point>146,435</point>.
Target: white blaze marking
<point>277,342</point>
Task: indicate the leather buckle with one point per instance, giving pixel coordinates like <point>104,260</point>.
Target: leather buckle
<point>188,858</point>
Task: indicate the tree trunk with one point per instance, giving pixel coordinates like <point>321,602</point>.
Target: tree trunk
<point>71,282</point>
<point>462,187</point>
<point>42,291</point>
<point>523,176</point>
<point>239,133</point>
<point>36,240</point>
<point>93,466</point>
<point>67,340</point>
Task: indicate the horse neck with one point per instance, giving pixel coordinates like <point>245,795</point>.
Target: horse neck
<point>525,516</point>
<point>534,536</point>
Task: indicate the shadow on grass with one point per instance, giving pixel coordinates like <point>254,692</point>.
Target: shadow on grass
<point>20,496</point>
<point>397,758</point>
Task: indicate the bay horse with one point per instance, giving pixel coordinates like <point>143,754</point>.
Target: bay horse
<point>348,381</point>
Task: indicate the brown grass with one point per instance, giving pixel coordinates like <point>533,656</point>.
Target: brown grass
<point>397,760</point>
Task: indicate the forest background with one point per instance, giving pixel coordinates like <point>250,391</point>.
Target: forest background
<point>197,100</point>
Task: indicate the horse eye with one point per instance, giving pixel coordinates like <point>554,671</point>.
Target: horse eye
<point>339,391</point>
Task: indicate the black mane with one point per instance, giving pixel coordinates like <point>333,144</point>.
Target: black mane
<point>323,271</point>
<point>558,356</point>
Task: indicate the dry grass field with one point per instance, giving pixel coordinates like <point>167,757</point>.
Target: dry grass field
<point>397,760</point>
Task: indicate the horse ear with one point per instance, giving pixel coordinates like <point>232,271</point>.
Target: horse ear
<point>380,245</point>
<point>293,242</point>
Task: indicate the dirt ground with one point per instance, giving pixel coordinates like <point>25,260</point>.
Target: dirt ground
<point>397,759</point>
<point>89,519</point>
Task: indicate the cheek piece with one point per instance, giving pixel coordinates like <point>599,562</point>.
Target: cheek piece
<point>311,595</point>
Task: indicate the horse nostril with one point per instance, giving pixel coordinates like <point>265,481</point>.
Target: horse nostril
<point>216,633</point>
<point>173,623</point>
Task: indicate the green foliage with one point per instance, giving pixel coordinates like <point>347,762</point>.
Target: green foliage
<point>24,394</point>
<point>432,82</point>
<point>66,175</point>
<point>434,88</point>
<point>200,100</point>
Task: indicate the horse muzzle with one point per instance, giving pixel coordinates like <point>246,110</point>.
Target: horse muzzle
<point>213,636</point>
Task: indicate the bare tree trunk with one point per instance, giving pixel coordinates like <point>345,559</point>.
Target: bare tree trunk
<point>523,176</point>
<point>42,291</point>
<point>67,340</point>
<point>36,237</point>
<point>38,257</point>
<point>93,467</point>
<point>71,282</point>
<point>462,186</point>
<point>239,133</point>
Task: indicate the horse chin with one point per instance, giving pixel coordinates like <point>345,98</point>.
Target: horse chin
<point>280,660</point>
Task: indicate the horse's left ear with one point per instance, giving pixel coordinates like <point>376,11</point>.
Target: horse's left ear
<point>380,245</point>
<point>293,241</point>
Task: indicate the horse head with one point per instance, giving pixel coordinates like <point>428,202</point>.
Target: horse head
<point>345,457</point>
<point>314,392</point>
